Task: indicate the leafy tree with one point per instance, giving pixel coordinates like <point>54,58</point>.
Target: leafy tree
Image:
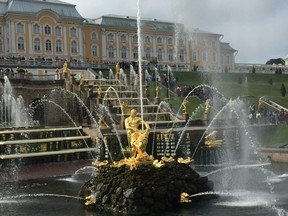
<point>276,61</point>
<point>283,90</point>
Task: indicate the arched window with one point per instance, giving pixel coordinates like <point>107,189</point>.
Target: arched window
<point>20,28</point>
<point>204,56</point>
<point>124,52</point>
<point>37,45</point>
<point>214,57</point>
<point>181,42</point>
<point>47,30</point>
<point>111,52</point>
<point>170,41</point>
<point>159,54</point>
<point>123,38</point>
<point>58,31</point>
<point>94,36</point>
<point>21,43</point>
<point>147,52</point>
<point>48,45</point>
<point>94,51</point>
<point>159,40</point>
<point>135,38</point>
<point>110,37</point>
<point>73,47</point>
<point>58,46</point>
<point>181,55</point>
<point>170,55</point>
<point>135,52</point>
<point>73,32</point>
<point>147,39</point>
<point>195,56</point>
<point>36,29</point>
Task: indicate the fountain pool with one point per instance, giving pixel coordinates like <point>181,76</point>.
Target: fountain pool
<point>263,195</point>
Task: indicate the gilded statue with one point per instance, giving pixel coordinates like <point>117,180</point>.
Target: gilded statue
<point>81,79</point>
<point>157,91</point>
<point>207,106</point>
<point>65,67</point>
<point>185,105</point>
<point>211,140</point>
<point>99,92</point>
<point>137,138</point>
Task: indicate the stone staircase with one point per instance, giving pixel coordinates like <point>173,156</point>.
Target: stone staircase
<point>30,146</point>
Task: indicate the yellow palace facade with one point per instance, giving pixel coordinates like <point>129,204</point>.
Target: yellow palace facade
<point>53,30</point>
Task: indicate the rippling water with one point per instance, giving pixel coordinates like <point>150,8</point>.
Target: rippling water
<point>243,190</point>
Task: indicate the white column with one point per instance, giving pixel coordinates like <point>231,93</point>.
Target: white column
<point>117,47</point>
<point>12,39</point>
<point>104,48</point>
<point>65,41</point>
<point>130,47</point>
<point>30,37</point>
<point>81,43</point>
<point>154,51</point>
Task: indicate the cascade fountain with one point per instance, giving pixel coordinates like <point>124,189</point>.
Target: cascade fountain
<point>13,112</point>
<point>244,185</point>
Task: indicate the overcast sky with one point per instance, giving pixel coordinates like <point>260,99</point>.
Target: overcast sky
<point>256,28</point>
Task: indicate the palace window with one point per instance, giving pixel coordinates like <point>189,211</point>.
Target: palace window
<point>159,40</point>
<point>111,52</point>
<point>58,46</point>
<point>194,56</point>
<point>170,41</point>
<point>20,43</point>
<point>124,52</point>
<point>36,29</point>
<point>214,57</point>
<point>182,56</point>
<point>58,31</point>
<point>147,39</point>
<point>20,28</point>
<point>135,53</point>
<point>73,32</point>
<point>147,52</point>
<point>73,47</point>
<point>160,54</point>
<point>170,55</point>
<point>181,42</point>
<point>1,46</point>
<point>94,36</point>
<point>204,56</point>
<point>94,51</point>
<point>0,30</point>
<point>227,59</point>
<point>123,38</point>
<point>48,45</point>
<point>37,46</point>
<point>110,37</point>
<point>135,39</point>
<point>47,30</point>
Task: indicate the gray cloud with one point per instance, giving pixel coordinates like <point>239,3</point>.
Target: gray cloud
<point>256,28</point>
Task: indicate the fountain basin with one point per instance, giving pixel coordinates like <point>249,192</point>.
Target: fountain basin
<point>144,190</point>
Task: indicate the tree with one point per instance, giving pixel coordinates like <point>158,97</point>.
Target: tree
<point>276,61</point>
<point>283,90</point>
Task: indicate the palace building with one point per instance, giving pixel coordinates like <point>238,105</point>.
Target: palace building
<point>54,30</point>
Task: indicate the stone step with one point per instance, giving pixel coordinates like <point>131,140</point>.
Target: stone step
<point>46,153</point>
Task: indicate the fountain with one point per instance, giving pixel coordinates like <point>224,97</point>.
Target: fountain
<point>170,171</point>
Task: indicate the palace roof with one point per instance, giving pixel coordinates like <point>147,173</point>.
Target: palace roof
<point>131,22</point>
<point>63,9</point>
